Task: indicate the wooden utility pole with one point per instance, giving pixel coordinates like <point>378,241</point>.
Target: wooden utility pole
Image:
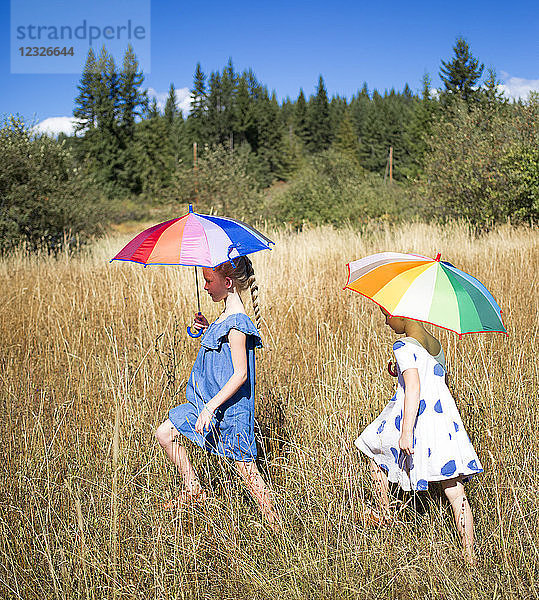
<point>390,164</point>
<point>195,169</point>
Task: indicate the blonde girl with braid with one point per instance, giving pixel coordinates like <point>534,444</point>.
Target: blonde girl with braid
<point>219,412</point>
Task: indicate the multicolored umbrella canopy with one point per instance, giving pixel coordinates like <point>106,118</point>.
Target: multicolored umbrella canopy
<point>426,289</point>
<point>194,240</point>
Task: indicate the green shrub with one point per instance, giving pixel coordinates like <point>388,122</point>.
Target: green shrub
<point>482,163</point>
<point>223,183</point>
<point>45,200</point>
<point>331,188</point>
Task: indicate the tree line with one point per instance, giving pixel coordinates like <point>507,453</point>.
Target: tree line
<point>462,150</point>
<point>134,148</point>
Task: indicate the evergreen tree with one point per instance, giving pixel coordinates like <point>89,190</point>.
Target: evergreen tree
<point>337,110</point>
<point>131,99</point>
<point>155,159</point>
<point>228,92</point>
<point>270,149</point>
<point>461,75</point>
<point>491,93</point>
<point>346,140</point>
<point>153,109</point>
<point>424,112</point>
<point>197,118</point>
<point>214,131</point>
<point>359,110</point>
<point>244,117</point>
<point>300,119</point>
<point>132,103</point>
<point>85,109</point>
<point>171,108</point>
<point>318,120</point>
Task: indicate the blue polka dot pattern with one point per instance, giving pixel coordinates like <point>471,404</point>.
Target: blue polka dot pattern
<point>394,398</point>
<point>385,467</point>
<point>430,452</point>
<point>456,426</point>
<point>422,485</point>
<point>398,422</point>
<point>381,428</point>
<point>449,468</point>
<point>415,357</point>
<point>473,465</point>
<point>422,407</point>
<point>398,345</point>
<point>395,454</point>
<point>439,370</point>
<point>438,407</point>
<point>449,436</point>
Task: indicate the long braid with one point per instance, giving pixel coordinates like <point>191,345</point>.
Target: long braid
<point>254,297</point>
<point>243,274</point>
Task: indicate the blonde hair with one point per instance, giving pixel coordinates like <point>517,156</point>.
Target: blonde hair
<point>243,276</point>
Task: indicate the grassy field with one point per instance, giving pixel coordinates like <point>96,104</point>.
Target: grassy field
<point>94,354</point>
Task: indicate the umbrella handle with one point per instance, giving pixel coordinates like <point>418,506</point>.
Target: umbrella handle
<point>194,335</point>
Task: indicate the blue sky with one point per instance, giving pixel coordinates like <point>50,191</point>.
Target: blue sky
<point>288,44</point>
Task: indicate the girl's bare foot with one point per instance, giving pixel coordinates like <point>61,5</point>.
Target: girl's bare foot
<point>374,518</point>
<point>187,498</point>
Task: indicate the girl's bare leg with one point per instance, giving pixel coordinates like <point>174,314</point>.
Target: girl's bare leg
<point>454,491</point>
<point>381,489</point>
<point>168,437</point>
<point>259,491</point>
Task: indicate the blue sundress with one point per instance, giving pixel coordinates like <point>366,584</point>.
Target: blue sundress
<point>232,428</point>
<point>442,448</point>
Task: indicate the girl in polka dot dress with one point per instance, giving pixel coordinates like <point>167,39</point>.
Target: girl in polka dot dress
<point>419,436</point>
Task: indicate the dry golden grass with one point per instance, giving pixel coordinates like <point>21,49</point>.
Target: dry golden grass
<point>84,383</point>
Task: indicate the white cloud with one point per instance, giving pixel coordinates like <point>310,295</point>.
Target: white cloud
<point>518,87</point>
<point>55,125</point>
<point>183,99</point>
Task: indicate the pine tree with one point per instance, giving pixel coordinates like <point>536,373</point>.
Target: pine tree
<point>132,100</point>
<point>346,140</point>
<point>214,131</point>
<point>424,112</point>
<point>84,110</point>
<point>491,93</point>
<point>171,108</point>
<point>153,109</point>
<point>338,107</point>
<point>318,120</point>
<point>300,119</point>
<point>359,109</point>
<point>244,117</point>
<point>155,159</point>
<point>228,100</point>
<point>461,75</point>
<point>197,118</point>
<point>270,149</point>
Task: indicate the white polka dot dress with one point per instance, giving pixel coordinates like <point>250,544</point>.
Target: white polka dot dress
<point>442,448</point>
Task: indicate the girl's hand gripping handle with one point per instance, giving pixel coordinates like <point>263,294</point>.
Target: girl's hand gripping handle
<point>200,323</point>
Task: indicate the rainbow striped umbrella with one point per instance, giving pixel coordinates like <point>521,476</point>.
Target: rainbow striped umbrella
<point>194,240</point>
<point>426,289</point>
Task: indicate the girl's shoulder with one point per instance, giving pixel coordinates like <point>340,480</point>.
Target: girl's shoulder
<point>408,346</point>
<point>218,330</point>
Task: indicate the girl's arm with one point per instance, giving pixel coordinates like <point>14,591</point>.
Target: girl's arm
<point>411,406</point>
<point>238,351</point>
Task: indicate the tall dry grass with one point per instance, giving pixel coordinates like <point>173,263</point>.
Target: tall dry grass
<point>94,354</point>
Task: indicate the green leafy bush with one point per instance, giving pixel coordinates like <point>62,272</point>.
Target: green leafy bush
<point>222,182</point>
<point>331,188</point>
<point>482,163</point>
<point>45,200</point>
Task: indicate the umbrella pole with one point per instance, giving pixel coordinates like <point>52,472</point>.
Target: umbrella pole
<point>199,332</point>
<point>198,293</point>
